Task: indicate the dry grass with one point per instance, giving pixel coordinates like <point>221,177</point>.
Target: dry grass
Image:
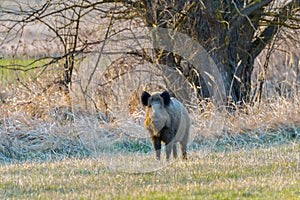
<point>55,125</point>
<point>40,121</point>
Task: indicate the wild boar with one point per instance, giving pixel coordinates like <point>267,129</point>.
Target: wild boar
<point>167,121</point>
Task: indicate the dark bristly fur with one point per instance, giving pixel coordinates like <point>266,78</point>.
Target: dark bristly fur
<point>167,120</point>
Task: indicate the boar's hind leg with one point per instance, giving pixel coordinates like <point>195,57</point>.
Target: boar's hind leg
<point>157,146</point>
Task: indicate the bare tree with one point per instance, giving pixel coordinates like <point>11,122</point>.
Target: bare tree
<point>234,32</point>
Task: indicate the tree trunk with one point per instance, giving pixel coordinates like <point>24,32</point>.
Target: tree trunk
<point>229,30</point>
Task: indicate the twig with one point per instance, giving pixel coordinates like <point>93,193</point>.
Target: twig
<point>100,53</point>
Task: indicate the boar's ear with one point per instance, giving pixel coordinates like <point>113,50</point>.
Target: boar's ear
<point>145,96</point>
<point>166,96</point>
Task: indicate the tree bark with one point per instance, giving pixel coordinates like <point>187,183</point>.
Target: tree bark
<point>230,31</point>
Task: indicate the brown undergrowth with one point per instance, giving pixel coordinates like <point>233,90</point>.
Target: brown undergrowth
<point>56,124</point>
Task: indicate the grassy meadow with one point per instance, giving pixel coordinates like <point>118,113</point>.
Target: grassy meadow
<point>55,145</point>
<point>260,173</point>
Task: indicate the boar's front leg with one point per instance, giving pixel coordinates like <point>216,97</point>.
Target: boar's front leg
<point>156,141</point>
<point>174,150</point>
<point>169,147</point>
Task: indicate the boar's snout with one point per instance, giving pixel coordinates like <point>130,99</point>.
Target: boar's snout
<point>158,117</point>
<point>158,124</point>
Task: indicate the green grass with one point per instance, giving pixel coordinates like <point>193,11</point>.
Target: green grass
<point>254,173</point>
<point>12,68</point>
<point>21,63</point>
